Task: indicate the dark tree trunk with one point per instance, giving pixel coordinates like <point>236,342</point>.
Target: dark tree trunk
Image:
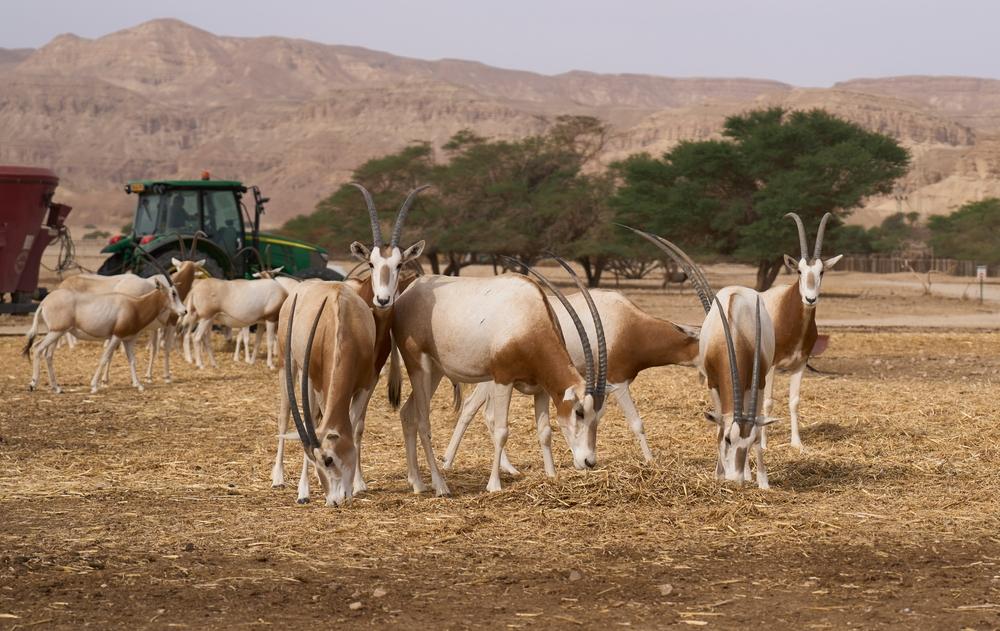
<point>454,267</point>
<point>435,266</point>
<point>767,271</point>
<point>593,267</point>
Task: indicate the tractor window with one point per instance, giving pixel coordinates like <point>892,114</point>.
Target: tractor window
<point>149,214</point>
<point>182,212</point>
<point>222,220</point>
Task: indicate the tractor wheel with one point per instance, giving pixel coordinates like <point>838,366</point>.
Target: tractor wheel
<point>164,258</point>
<point>115,264</point>
<point>322,273</point>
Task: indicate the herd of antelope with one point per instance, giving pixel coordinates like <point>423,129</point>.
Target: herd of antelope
<point>333,339</point>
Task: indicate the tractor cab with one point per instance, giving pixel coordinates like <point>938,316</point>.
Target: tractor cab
<point>170,214</point>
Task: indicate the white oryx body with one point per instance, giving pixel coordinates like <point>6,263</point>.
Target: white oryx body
<point>793,310</point>
<point>236,303</point>
<point>498,329</point>
<point>133,285</point>
<point>736,346</point>
<point>636,341</point>
<point>116,317</point>
<point>341,377</point>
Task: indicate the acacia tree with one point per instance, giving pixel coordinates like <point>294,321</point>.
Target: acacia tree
<point>971,232</point>
<point>729,196</point>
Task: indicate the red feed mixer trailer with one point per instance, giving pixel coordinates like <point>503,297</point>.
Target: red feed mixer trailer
<point>29,221</point>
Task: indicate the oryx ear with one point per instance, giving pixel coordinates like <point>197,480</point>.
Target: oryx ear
<point>791,263</point>
<point>277,270</point>
<point>258,275</point>
<point>175,261</point>
<point>569,395</point>
<point>713,417</point>
<point>414,250</point>
<point>767,420</point>
<point>833,260</point>
<point>360,251</point>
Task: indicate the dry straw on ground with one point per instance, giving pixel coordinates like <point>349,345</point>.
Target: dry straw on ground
<point>155,509</point>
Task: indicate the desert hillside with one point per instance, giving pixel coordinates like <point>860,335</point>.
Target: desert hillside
<point>165,99</point>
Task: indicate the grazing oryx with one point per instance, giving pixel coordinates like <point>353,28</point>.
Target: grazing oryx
<point>113,316</point>
<point>636,341</point>
<point>793,310</point>
<point>236,303</point>
<point>730,356</point>
<point>341,373</point>
<point>383,280</point>
<point>498,329</point>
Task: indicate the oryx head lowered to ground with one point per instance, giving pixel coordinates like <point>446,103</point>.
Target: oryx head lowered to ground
<point>810,270</point>
<point>386,261</point>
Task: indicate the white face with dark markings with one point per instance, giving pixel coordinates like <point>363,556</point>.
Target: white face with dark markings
<point>385,265</point>
<point>811,276</point>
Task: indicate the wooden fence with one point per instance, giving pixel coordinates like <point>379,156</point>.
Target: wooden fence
<point>883,264</point>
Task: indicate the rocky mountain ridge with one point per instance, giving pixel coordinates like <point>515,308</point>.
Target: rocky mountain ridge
<point>166,99</point>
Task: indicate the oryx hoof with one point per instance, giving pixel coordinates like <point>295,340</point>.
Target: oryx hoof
<point>302,500</point>
<point>31,387</point>
<point>57,390</point>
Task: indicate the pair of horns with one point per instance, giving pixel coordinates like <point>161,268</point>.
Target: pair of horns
<point>194,245</point>
<point>156,264</point>
<point>804,242</point>
<point>303,422</point>
<point>397,230</point>
<point>698,280</point>
<point>738,414</point>
<point>596,381</point>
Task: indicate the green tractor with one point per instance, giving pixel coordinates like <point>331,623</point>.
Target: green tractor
<point>171,214</point>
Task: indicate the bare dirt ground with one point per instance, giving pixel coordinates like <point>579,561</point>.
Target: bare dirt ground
<point>155,510</point>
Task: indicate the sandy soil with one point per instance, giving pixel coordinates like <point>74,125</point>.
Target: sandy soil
<point>154,510</point>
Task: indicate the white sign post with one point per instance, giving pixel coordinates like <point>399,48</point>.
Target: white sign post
<point>981,276</point>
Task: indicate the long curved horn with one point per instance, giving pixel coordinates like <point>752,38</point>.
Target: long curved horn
<point>733,372</point>
<point>698,280</point>
<point>260,259</point>
<point>755,380</point>
<point>304,380</point>
<point>304,436</point>
<point>601,380</point>
<point>819,235</point>
<point>194,242</point>
<point>180,243</point>
<point>157,265</point>
<point>372,213</point>
<point>588,353</point>
<point>803,241</point>
<point>397,230</point>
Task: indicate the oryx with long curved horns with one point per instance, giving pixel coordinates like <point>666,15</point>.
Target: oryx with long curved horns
<point>386,261</point>
<point>497,329</point>
<point>338,373</point>
<point>793,310</point>
<point>736,345</point>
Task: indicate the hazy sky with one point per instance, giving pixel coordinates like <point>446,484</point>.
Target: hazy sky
<point>804,42</point>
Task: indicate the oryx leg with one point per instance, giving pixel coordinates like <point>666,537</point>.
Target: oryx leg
<point>109,350</point>
<point>284,410</point>
<point>632,416</point>
<point>169,335</point>
<point>196,340</point>
<point>768,404</point>
<point>720,469</point>
<point>488,416</point>
<point>303,497</point>
<point>761,469</point>
<point>187,344</point>
<point>154,343</point>
<point>499,405</point>
<point>359,409</point>
<point>46,348</point>
<point>272,334</point>
<point>544,430</point>
<point>793,405</point>
<point>130,355</point>
<point>479,395</point>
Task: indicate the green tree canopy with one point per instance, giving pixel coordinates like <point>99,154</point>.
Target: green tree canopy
<point>972,232</point>
<point>729,196</point>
